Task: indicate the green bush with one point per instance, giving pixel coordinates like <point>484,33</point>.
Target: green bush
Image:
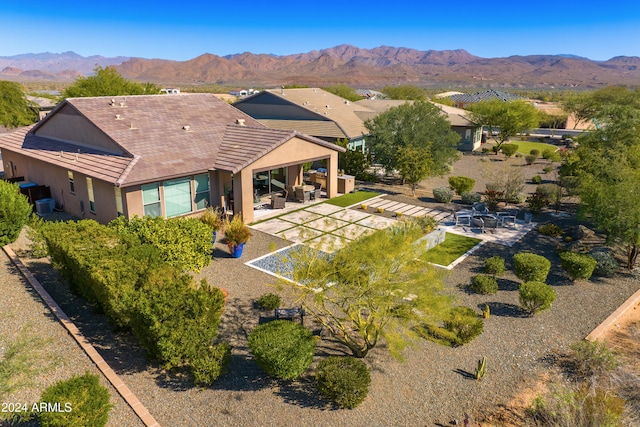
<point>443,194</point>
<point>530,267</point>
<point>551,154</point>
<point>471,197</point>
<point>343,380</point>
<point>536,202</point>
<point>494,265</point>
<point>210,363</point>
<point>509,149</point>
<point>530,159</point>
<point>483,284</point>
<point>547,169</point>
<point>426,223</point>
<point>284,349</point>
<point>536,296</point>
<point>15,211</point>
<point>550,191</point>
<point>269,301</point>
<point>88,402</point>
<point>579,266</point>
<point>464,323</point>
<point>591,358</point>
<point>536,179</point>
<point>461,184</point>
<point>550,229</point>
<point>606,264</point>
<point>535,152</point>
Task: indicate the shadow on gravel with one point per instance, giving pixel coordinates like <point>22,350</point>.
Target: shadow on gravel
<point>465,374</point>
<point>302,393</point>
<point>504,309</point>
<point>507,285</point>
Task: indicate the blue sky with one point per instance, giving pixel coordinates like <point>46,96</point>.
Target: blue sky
<point>186,29</point>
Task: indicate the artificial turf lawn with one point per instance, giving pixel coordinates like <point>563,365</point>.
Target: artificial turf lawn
<point>351,198</point>
<point>453,247</point>
<point>525,147</point>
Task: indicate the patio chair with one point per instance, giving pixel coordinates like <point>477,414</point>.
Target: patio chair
<point>490,222</point>
<point>508,216</point>
<point>480,207</point>
<point>301,195</point>
<point>477,223</point>
<point>278,201</point>
<point>463,217</point>
<point>289,192</point>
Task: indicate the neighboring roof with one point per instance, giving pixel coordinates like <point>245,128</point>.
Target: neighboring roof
<point>319,128</point>
<point>338,109</point>
<point>456,116</point>
<point>447,94</point>
<point>43,103</point>
<point>159,137</point>
<point>467,98</point>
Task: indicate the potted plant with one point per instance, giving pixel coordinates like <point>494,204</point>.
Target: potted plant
<point>237,234</point>
<point>213,218</point>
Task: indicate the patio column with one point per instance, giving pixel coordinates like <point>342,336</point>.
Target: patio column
<point>243,194</point>
<point>332,175</point>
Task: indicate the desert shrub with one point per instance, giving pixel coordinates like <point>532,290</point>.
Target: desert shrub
<point>15,211</point>
<point>579,266</point>
<point>174,320</point>
<point>534,152</point>
<point>483,284</point>
<point>606,263</point>
<point>471,197</point>
<point>547,169</point>
<point>518,155</point>
<point>284,349</point>
<point>269,301</point>
<point>577,406</point>
<point>530,159</point>
<point>550,191</point>
<point>343,380</point>
<point>536,179</point>
<point>550,229</point>
<point>426,223</point>
<point>443,194</point>
<point>518,198</point>
<point>536,202</point>
<point>551,154</point>
<point>530,267</point>
<point>536,296</point>
<point>591,358</point>
<point>461,184</point>
<point>88,400</point>
<point>494,265</point>
<point>492,199</point>
<point>209,363</point>
<point>465,323</point>
<point>509,149</point>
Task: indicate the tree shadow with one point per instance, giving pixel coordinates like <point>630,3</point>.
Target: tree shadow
<point>505,310</point>
<point>508,285</point>
<point>465,374</point>
<point>302,393</point>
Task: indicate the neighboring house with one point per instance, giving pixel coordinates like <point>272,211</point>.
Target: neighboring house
<point>311,111</point>
<point>463,100</point>
<point>159,155</point>
<point>470,132</point>
<point>44,105</point>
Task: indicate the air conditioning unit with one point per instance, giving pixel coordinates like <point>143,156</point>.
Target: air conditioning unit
<point>44,206</point>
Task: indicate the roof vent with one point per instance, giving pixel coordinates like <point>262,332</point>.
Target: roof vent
<point>118,117</point>
<point>186,127</point>
<point>113,102</point>
<point>122,105</point>
<point>346,101</point>
<point>327,107</point>
<point>240,122</point>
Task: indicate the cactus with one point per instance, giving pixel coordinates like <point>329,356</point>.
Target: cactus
<point>481,370</point>
<point>380,210</point>
<point>486,312</point>
<point>363,207</point>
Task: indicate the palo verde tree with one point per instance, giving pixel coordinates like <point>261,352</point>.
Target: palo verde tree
<point>107,82</point>
<point>507,118</point>
<point>15,109</point>
<point>405,92</point>
<point>413,129</point>
<point>606,169</point>
<point>374,287</point>
<point>344,91</point>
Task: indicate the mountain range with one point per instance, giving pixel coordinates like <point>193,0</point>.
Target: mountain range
<point>346,64</point>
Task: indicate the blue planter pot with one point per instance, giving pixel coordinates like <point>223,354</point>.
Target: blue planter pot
<point>213,238</point>
<point>236,250</point>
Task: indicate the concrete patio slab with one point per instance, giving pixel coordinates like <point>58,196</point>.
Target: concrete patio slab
<point>506,236</point>
<point>324,209</point>
<point>273,226</point>
<point>377,222</point>
<point>326,224</point>
<point>379,201</point>
<point>350,215</point>
<point>299,234</point>
<point>413,211</point>
<point>301,216</point>
<point>353,231</point>
<point>328,243</point>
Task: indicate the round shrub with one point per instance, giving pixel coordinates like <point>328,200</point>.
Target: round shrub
<point>550,229</point>
<point>536,179</point>
<point>536,296</point>
<point>470,197</point>
<point>509,149</point>
<point>579,266</point>
<point>551,154</point>
<point>494,265</point>
<point>443,194</point>
<point>343,380</point>
<point>15,211</point>
<point>483,284</point>
<point>461,184</point>
<point>530,267</point>
<point>88,400</point>
<point>207,366</point>
<point>535,152</point>
<point>530,158</point>
<point>269,301</point>
<point>282,348</point>
<point>465,323</point>
<point>606,264</point>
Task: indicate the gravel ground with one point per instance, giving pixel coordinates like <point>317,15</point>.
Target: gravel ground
<point>431,387</point>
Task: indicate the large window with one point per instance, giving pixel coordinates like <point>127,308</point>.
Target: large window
<point>202,190</point>
<point>92,199</point>
<point>177,196</point>
<point>72,186</point>
<point>268,182</point>
<point>151,199</point>
<point>118,194</point>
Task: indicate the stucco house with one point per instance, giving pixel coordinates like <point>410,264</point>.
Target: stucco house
<point>311,111</point>
<point>159,155</point>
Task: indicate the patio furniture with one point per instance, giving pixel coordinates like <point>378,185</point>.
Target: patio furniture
<point>303,193</point>
<point>463,217</point>
<point>477,222</point>
<point>290,313</point>
<point>490,221</point>
<point>508,216</point>
<point>290,192</point>
<point>278,201</point>
<point>480,207</point>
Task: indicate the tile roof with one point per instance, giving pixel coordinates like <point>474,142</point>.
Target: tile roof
<point>318,128</point>
<point>484,96</point>
<point>456,116</point>
<point>338,109</point>
<point>159,137</point>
